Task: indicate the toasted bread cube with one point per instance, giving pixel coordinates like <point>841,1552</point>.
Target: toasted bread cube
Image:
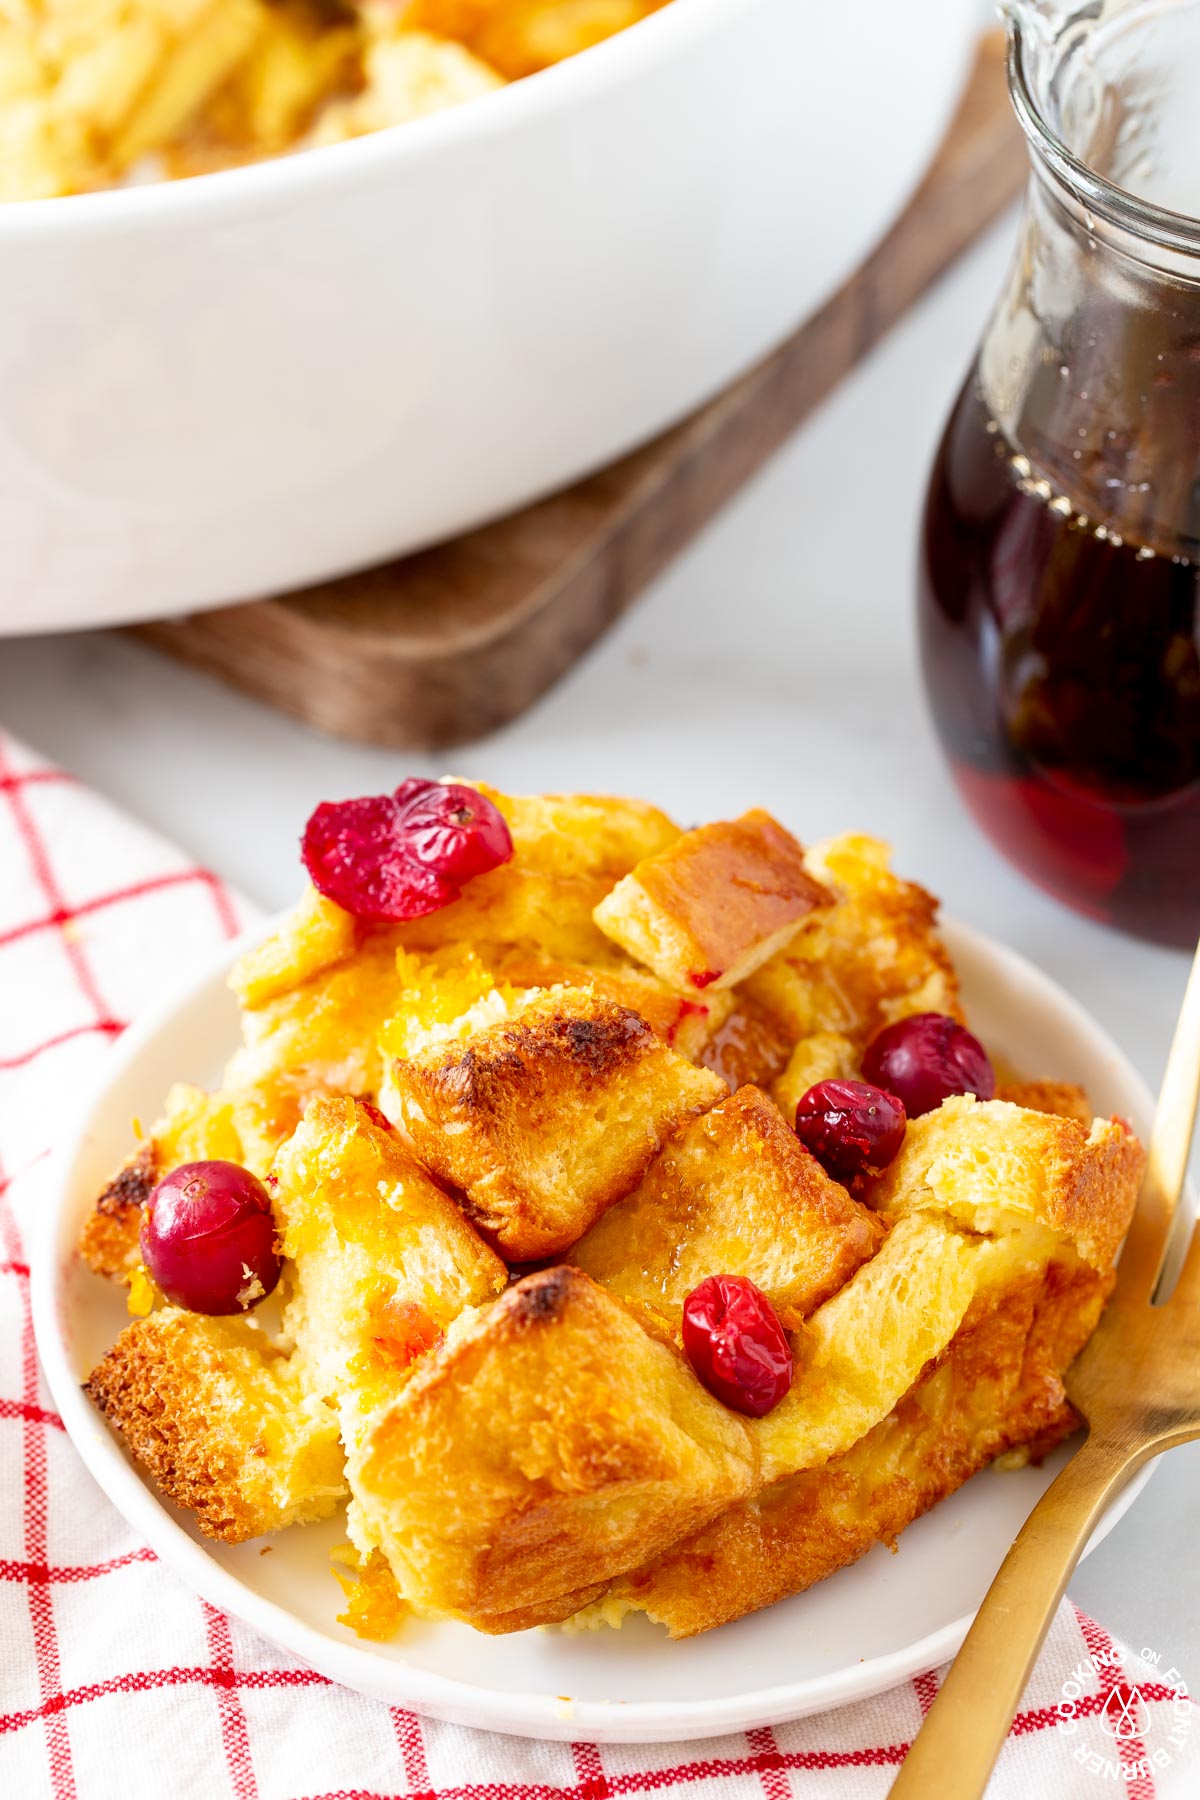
<point>993,1167</point>
<point>733,1193</point>
<point>716,904</point>
<point>548,1444</point>
<point>545,1117</point>
<point>384,1261</point>
<point>196,1127</point>
<point>873,957</point>
<point>108,1242</point>
<point>221,1423</point>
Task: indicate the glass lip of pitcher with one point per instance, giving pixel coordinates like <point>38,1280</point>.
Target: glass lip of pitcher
<point>1157,225</point>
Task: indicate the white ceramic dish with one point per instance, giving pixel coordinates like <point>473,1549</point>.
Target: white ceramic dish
<point>219,388</point>
<point>856,1634</point>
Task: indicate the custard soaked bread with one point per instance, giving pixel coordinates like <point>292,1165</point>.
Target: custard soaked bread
<point>732,1190</point>
<point>548,1112</point>
<point>769,1334</point>
<point>542,1448</point>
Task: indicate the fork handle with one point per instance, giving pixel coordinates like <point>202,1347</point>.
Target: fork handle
<point>954,1752</point>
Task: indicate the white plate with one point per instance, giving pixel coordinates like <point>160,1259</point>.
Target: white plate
<point>855,1634</point>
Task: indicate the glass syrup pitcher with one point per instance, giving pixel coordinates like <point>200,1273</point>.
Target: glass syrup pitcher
<point>1059,580</point>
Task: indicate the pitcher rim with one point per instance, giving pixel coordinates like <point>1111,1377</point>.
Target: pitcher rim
<point>1158,225</point>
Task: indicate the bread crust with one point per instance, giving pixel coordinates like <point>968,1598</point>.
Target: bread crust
<point>721,900</point>
<point>219,1423</point>
<point>991,1165</point>
<point>544,1119</point>
<point>687,1024</point>
<point>108,1242</point>
<point>195,1127</point>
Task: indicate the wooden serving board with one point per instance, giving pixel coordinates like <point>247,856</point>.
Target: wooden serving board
<point>444,646</point>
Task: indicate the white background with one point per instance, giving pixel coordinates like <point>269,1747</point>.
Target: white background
<point>774,664</point>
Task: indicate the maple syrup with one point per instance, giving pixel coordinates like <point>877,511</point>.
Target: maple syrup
<point>1062,661</point>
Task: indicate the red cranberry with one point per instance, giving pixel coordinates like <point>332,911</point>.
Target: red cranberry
<point>850,1127</point>
<point>925,1059</point>
<point>208,1238</point>
<point>392,857</point>
<point>736,1345</point>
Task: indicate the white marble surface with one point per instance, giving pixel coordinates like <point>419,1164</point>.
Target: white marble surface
<point>773,664</point>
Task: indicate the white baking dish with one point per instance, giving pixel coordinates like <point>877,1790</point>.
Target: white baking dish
<point>224,387</point>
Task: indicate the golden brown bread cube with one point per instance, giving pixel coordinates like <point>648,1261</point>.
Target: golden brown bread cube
<point>383,1260</point>
<point>860,1351</point>
<point>316,935</point>
<point>714,905</point>
<point>221,1422</point>
<point>990,1166</point>
<point>546,1113</point>
<point>734,1193</point>
<point>548,1444</point>
<point>873,957</point>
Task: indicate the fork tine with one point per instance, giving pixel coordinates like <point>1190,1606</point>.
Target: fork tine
<point>1187,1289</point>
<point>1170,1143</point>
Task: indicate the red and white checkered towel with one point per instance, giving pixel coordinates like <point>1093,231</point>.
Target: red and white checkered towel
<point>114,1680</point>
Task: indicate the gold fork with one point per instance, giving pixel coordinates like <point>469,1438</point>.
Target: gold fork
<point>1136,1385</point>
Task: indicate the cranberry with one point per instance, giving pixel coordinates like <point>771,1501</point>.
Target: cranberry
<point>850,1127</point>
<point>925,1059</point>
<point>392,857</point>
<point>208,1238</point>
<point>736,1345</point>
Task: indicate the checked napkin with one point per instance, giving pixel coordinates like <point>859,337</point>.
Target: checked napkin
<point>116,1681</point>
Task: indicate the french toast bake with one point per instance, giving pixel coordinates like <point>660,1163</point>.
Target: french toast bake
<point>94,93</point>
<point>637,1226</point>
